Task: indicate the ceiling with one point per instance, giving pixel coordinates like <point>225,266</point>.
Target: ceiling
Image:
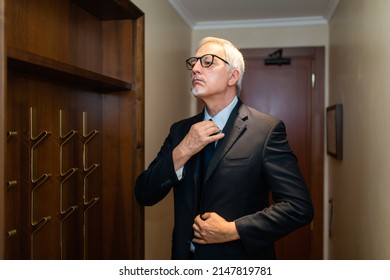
<point>207,14</point>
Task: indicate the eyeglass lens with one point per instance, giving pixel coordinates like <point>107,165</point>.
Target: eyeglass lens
<point>205,60</point>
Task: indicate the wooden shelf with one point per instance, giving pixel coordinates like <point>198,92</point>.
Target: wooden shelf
<point>109,9</point>
<point>48,68</point>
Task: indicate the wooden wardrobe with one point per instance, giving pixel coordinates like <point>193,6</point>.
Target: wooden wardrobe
<point>71,129</point>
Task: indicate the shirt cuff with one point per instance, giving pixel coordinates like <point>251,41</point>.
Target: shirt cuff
<point>179,173</point>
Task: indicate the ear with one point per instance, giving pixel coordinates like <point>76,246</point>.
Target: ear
<point>234,77</point>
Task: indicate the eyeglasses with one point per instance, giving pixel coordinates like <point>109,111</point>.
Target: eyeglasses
<point>205,60</point>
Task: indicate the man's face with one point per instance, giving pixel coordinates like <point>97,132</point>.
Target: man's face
<point>208,81</point>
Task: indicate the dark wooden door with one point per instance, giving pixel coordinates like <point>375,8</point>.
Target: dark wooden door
<point>291,93</point>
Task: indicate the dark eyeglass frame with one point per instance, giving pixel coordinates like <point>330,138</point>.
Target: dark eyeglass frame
<point>190,63</point>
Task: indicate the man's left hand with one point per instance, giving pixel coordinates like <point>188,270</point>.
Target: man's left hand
<point>212,228</point>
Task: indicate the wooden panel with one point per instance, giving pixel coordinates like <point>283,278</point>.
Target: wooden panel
<point>68,34</point>
<point>117,41</point>
<point>125,215</point>
<point>40,106</point>
<point>40,27</point>
<point>75,126</point>
<point>3,183</point>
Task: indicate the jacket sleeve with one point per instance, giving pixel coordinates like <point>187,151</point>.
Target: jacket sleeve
<point>157,180</point>
<point>291,207</point>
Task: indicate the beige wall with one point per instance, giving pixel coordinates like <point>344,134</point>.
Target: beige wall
<point>167,99</point>
<point>360,80</point>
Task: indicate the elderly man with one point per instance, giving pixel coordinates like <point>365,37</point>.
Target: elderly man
<point>222,164</point>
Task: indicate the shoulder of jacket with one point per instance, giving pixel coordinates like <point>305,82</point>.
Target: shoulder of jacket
<point>257,115</point>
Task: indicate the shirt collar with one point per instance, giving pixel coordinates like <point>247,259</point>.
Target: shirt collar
<point>222,117</point>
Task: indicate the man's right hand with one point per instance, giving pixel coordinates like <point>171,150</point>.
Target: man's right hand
<point>200,134</point>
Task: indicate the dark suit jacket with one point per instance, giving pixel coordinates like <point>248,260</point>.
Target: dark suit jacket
<point>253,159</point>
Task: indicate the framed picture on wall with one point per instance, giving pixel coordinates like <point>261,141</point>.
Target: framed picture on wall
<point>334,130</point>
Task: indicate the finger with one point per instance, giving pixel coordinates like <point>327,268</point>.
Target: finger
<point>199,240</point>
<point>197,235</point>
<point>216,133</point>
<point>197,218</point>
<point>216,137</point>
<point>205,125</point>
<point>210,127</point>
<point>207,132</point>
<point>214,129</point>
<point>205,216</point>
<point>197,223</point>
<point>195,226</point>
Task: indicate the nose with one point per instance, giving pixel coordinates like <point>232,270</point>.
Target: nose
<point>197,67</point>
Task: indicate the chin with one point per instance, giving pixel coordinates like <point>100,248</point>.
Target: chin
<point>196,92</point>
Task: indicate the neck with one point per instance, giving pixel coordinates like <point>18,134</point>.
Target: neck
<point>214,106</point>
